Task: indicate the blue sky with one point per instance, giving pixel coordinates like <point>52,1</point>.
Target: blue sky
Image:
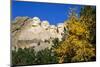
<point>54,13</point>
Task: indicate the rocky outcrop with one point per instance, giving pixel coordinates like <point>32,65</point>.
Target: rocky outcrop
<point>34,33</point>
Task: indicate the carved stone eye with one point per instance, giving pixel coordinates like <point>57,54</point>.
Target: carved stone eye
<point>33,25</point>
<point>38,44</point>
<point>33,46</point>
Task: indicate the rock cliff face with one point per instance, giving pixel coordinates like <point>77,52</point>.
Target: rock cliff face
<point>34,33</point>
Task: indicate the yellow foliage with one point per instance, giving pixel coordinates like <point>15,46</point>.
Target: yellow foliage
<point>76,43</point>
<point>77,28</point>
<point>61,59</point>
<point>84,54</point>
<point>61,50</point>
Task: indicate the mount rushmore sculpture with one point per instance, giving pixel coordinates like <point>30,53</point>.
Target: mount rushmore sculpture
<point>34,33</point>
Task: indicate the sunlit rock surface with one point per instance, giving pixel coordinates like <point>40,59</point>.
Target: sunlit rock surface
<point>37,34</point>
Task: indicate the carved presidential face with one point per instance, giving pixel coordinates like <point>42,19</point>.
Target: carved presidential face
<point>53,29</point>
<point>60,27</point>
<point>36,21</point>
<point>45,24</point>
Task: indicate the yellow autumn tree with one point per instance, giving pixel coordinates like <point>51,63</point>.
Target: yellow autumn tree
<point>76,47</point>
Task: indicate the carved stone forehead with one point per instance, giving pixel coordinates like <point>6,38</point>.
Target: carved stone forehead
<point>60,25</point>
<point>45,22</point>
<point>36,18</point>
<point>52,26</point>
